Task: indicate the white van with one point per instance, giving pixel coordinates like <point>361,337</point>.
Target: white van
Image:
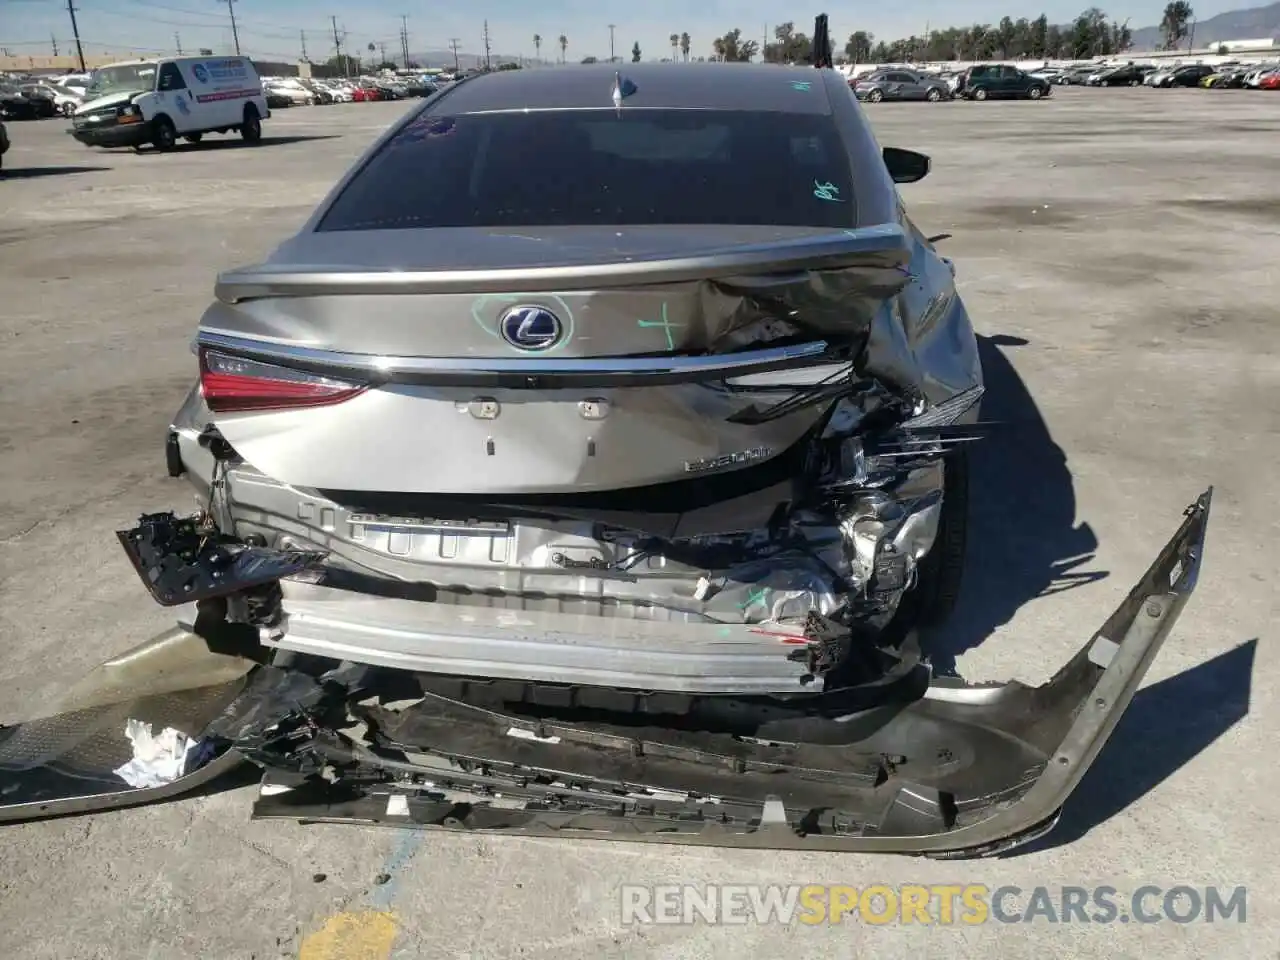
<point>157,101</point>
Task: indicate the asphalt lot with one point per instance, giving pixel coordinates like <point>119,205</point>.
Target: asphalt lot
<point>1118,250</point>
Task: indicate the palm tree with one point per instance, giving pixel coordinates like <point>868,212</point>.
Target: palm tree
<point>684,45</point>
<point>675,42</point>
<point>564,45</point>
<point>537,45</point>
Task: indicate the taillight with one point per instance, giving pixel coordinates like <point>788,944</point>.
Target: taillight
<point>232,384</point>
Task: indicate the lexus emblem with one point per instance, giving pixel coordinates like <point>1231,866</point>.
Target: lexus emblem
<point>531,328</point>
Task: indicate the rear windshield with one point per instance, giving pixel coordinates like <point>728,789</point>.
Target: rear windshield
<point>601,167</point>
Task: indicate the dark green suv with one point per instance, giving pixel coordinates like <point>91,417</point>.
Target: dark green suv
<point>999,81</point>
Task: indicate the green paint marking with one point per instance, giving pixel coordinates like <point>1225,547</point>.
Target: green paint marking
<point>801,84</point>
<point>756,595</point>
<point>665,325</point>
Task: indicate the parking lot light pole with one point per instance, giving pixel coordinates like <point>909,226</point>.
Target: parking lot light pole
<point>611,28</point>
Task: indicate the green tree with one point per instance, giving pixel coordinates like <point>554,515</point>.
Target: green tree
<point>685,43</point>
<point>858,49</point>
<point>537,45</point>
<point>1038,38</point>
<point>732,48</point>
<point>343,64</point>
<point>789,46</point>
<point>564,46</point>
<point>674,40</point>
<point>635,52</point>
<point>1173,25</point>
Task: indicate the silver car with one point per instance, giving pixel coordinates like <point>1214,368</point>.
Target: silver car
<point>901,85</point>
<point>631,395</point>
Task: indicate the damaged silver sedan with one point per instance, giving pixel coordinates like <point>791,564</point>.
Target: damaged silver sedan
<point>590,464</point>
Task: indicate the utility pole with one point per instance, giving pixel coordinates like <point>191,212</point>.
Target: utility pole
<point>337,47</point>
<point>235,34</point>
<point>54,41</point>
<point>1191,45</point>
<point>302,37</point>
<point>76,30</point>
<point>611,29</point>
<point>487,64</point>
<point>404,38</point>
<point>453,45</point>
<point>383,47</point>
<point>764,44</point>
<point>177,42</point>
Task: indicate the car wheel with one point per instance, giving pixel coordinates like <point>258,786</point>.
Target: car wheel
<point>934,95</point>
<point>875,96</point>
<point>163,135</point>
<point>1034,93</point>
<point>68,109</point>
<point>193,137</point>
<point>980,94</point>
<point>251,128</point>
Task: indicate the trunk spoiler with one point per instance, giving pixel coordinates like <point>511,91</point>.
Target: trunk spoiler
<point>946,769</point>
<point>886,245</point>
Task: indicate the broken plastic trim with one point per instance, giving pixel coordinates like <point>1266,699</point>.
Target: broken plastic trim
<point>178,562</point>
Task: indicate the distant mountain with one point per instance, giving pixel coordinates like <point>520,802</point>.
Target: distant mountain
<point>1251,24</point>
<point>444,58</point>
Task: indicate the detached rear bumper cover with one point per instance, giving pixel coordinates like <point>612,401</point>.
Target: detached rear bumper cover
<point>963,770</point>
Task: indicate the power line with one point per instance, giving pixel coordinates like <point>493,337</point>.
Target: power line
<point>486,45</point>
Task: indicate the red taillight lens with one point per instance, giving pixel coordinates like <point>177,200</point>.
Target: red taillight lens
<point>232,384</point>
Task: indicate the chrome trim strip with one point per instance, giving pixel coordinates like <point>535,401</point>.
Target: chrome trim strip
<point>649,369</point>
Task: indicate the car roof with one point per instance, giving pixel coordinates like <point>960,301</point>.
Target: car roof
<point>704,86</point>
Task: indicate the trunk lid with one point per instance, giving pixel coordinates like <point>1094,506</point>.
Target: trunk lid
<point>548,361</point>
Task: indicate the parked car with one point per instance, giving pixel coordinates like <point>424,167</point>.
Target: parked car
<point>1049,74</point>
<point>1254,78</point>
<point>1270,81</point>
<point>4,144</point>
<point>276,100</point>
<point>901,85</point>
<point>16,105</point>
<point>1187,75</point>
<point>65,101</point>
<point>1128,75</point>
<point>361,93</point>
<point>1078,75</point>
<point>1001,82</point>
<point>288,86</point>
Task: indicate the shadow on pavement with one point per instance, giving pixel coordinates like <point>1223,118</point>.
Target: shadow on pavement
<point>1167,725</point>
<point>30,173</point>
<point>233,142</point>
<point>1023,540</point>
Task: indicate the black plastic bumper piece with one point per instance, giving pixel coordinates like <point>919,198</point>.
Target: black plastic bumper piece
<point>963,771</point>
<point>179,561</point>
<point>173,455</point>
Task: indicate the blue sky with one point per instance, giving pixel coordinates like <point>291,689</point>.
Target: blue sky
<point>271,28</point>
